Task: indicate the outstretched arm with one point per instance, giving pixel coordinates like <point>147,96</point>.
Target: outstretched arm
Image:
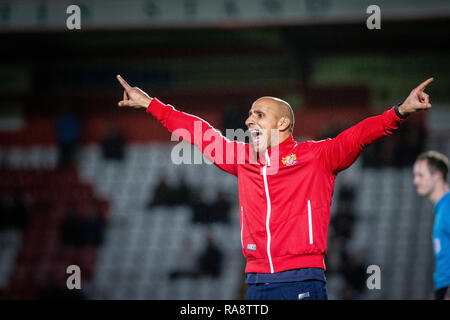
<point>213,145</point>
<point>339,153</point>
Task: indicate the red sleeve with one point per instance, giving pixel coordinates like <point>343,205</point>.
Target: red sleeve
<point>339,153</point>
<point>219,150</point>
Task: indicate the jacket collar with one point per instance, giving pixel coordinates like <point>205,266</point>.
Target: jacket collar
<point>283,147</point>
<point>273,154</point>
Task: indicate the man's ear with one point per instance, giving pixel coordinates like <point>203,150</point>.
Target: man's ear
<point>283,123</point>
<point>437,175</point>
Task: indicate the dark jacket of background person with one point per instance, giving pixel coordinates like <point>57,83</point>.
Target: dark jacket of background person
<point>113,144</point>
<point>68,134</point>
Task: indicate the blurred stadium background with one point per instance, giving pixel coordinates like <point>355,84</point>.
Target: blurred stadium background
<point>85,183</point>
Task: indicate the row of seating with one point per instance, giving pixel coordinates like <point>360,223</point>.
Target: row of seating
<point>141,246</point>
<point>41,257</point>
<point>394,231</point>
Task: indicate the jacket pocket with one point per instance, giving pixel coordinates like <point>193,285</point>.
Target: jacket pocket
<point>318,222</point>
<point>306,233</point>
<point>253,242</point>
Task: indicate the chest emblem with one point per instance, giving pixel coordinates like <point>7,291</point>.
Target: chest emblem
<point>289,160</point>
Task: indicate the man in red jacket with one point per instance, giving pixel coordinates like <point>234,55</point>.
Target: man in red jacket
<point>285,187</point>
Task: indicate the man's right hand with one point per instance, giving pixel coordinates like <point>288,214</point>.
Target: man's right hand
<point>133,96</point>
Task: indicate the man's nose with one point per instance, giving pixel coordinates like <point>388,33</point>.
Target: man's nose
<point>249,121</point>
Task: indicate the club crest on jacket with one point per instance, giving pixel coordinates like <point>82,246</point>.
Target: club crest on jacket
<point>289,160</point>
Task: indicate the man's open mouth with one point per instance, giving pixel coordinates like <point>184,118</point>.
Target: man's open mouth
<point>256,135</point>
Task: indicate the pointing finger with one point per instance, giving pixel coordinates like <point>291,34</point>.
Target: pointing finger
<point>124,84</point>
<point>422,86</point>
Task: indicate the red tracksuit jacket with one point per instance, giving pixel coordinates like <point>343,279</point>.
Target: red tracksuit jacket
<point>284,198</point>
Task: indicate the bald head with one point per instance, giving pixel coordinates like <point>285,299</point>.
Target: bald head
<point>281,108</point>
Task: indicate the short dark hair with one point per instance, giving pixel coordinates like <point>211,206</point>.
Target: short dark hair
<point>436,162</point>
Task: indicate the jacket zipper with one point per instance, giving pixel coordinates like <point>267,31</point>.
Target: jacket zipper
<point>242,226</point>
<point>266,189</point>
<point>310,223</point>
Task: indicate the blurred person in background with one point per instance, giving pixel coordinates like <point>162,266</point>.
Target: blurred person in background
<point>353,270</point>
<point>71,228</point>
<point>113,143</point>
<point>83,228</point>
<point>430,179</point>
<point>345,215</point>
<point>208,263</point>
<point>93,224</point>
<point>206,212</point>
<point>15,210</point>
<point>220,208</point>
<point>163,194</point>
<point>182,192</point>
<point>285,187</point>
<point>210,259</point>
<point>68,134</point>
<point>55,288</point>
<point>200,208</point>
